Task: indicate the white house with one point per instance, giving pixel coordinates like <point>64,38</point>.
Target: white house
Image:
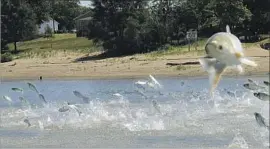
<point>51,23</point>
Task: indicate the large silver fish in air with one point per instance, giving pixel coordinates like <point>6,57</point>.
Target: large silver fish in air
<point>223,50</point>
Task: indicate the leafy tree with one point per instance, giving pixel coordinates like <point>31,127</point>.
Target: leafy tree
<point>117,24</point>
<point>65,11</point>
<point>18,22</point>
<point>232,12</point>
<point>41,8</point>
<point>260,20</point>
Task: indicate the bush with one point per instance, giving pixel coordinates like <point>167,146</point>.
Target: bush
<point>6,57</point>
<point>48,32</point>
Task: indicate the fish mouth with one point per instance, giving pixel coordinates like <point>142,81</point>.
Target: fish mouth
<point>238,55</point>
<point>245,85</point>
<point>256,114</point>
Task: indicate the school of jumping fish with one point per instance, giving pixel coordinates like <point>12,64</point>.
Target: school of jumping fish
<point>259,91</point>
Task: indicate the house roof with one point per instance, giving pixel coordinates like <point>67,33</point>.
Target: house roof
<point>49,20</point>
<point>87,15</point>
<point>87,18</point>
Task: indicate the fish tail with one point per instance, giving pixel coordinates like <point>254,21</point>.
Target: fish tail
<point>248,62</point>
<point>228,30</point>
<point>207,64</point>
<point>240,68</point>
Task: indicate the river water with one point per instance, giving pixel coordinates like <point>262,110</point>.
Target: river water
<point>184,114</point>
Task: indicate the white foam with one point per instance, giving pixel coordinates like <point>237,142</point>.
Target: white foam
<point>238,142</point>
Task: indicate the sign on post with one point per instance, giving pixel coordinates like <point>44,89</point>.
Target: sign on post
<point>191,37</point>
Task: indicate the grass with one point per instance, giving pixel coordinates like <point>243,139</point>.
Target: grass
<point>182,49</point>
<point>255,44</point>
<point>180,67</point>
<point>6,57</point>
<point>46,47</point>
<point>172,50</point>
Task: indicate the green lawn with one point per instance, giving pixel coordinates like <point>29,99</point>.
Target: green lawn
<point>200,48</point>
<point>44,47</point>
<point>181,49</point>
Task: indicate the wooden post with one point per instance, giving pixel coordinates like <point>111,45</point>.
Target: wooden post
<point>188,45</point>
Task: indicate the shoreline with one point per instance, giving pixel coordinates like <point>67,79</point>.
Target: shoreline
<point>186,77</point>
<point>62,67</point>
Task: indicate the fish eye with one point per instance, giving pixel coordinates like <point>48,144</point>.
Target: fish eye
<point>220,47</point>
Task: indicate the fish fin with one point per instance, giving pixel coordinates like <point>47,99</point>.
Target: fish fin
<point>207,63</point>
<point>228,30</point>
<point>240,68</point>
<point>248,62</point>
<point>215,70</point>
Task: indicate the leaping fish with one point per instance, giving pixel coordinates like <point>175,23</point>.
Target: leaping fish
<point>41,97</point>
<point>27,122</point>
<point>266,83</point>
<point>118,95</point>
<point>17,89</point>
<point>7,98</point>
<point>79,95</point>
<point>251,81</point>
<point>32,87</point>
<point>260,120</point>
<point>155,81</point>
<point>262,96</point>
<point>223,50</point>
<point>24,101</point>
<point>63,109</point>
<point>252,86</point>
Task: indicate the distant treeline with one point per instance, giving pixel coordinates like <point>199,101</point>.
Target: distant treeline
<point>132,26</point>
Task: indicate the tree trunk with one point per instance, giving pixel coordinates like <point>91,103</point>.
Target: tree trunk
<point>15,46</point>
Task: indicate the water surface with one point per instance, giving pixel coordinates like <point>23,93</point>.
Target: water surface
<point>189,117</point>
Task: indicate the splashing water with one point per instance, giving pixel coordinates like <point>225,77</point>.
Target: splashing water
<point>118,114</point>
<point>238,142</point>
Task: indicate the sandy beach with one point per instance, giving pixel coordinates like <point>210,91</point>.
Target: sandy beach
<point>63,65</point>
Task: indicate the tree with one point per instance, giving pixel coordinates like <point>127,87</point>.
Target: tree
<point>260,20</point>
<point>41,8</point>
<point>231,12</point>
<point>117,24</point>
<point>18,22</point>
<point>65,11</point>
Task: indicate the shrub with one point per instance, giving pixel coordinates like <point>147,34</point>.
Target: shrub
<point>48,32</point>
<point>6,57</point>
